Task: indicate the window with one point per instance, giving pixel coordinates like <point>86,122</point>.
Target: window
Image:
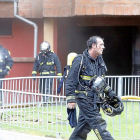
<point>5,27</point>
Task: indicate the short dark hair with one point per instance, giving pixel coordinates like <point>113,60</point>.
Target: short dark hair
<point>92,40</point>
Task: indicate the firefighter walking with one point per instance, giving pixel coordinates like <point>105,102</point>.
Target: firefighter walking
<point>81,89</point>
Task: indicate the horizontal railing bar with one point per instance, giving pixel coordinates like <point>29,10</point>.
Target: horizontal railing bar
<point>36,94</point>
<point>31,77</point>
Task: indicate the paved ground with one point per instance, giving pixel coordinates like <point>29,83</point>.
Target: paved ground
<point>9,135</point>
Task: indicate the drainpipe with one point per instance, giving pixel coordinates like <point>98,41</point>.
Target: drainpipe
<point>29,22</point>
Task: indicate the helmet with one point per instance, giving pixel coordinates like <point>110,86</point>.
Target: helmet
<point>112,107</point>
<point>45,47</point>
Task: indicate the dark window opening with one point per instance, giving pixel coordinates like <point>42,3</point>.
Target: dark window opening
<point>118,46</point>
<point>5,27</point>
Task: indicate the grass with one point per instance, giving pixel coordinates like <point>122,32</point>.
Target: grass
<point>46,121</point>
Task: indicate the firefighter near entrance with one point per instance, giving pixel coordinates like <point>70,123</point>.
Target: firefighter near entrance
<point>84,85</point>
<point>46,62</point>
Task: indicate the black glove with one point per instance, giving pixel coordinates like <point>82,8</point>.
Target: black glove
<point>34,77</point>
<point>111,94</point>
<point>4,72</point>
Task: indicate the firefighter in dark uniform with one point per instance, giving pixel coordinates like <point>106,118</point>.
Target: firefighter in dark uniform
<point>78,90</point>
<point>6,63</point>
<point>45,64</point>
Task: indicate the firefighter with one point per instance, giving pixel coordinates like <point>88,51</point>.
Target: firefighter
<point>86,69</point>
<point>6,63</point>
<point>45,63</point>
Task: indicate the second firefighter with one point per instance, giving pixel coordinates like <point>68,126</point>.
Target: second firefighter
<point>45,63</point>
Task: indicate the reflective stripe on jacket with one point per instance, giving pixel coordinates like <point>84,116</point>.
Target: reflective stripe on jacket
<point>45,64</point>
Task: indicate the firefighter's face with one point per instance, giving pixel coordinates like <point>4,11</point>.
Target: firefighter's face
<point>44,51</point>
<point>100,46</point>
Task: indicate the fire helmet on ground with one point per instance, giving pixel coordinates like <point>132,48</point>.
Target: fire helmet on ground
<point>113,107</point>
<point>45,46</point>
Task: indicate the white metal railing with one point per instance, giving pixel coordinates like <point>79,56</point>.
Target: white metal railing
<point>23,105</point>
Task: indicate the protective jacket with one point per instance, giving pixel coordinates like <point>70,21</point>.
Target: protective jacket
<point>45,64</point>
<point>78,87</point>
<point>6,62</point>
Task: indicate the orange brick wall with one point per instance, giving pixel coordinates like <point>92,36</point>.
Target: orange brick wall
<point>31,8</point>
<point>26,8</point>
<point>61,8</point>
<point>68,8</point>
<point>6,9</point>
<point>65,8</point>
<point>107,7</point>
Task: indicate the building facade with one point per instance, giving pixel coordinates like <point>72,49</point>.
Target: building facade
<point>67,25</point>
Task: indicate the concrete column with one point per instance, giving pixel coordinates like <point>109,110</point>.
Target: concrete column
<point>49,31</point>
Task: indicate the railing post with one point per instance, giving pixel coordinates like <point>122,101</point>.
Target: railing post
<point>120,86</point>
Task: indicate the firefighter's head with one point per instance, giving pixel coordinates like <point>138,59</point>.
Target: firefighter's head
<point>45,47</point>
<point>92,40</point>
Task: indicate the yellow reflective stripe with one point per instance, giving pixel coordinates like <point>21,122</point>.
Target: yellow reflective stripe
<point>76,91</point>
<point>41,63</point>
<point>98,134</point>
<point>1,60</point>
<point>9,52</point>
<point>34,72</point>
<point>0,70</point>
<point>70,98</point>
<point>59,74</point>
<point>52,71</point>
<point>86,77</point>
<point>8,67</point>
<point>45,72</point>
<point>49,63</point>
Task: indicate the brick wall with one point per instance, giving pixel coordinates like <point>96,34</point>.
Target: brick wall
<point>6,9</point>
<point>107,7</point>
<point>31,8</point>
<point>59,8</point>
<point>67,8</point>
<point>26,8</point>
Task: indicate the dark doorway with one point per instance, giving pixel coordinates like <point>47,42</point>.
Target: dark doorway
<point>118,45</point>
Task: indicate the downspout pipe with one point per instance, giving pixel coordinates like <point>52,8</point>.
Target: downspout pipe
<point>29,22</point>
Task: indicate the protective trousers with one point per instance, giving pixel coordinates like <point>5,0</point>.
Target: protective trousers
<point>46,88</point>
<point>90,118</point>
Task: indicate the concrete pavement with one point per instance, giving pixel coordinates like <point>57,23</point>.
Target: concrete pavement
<point>9,135</point>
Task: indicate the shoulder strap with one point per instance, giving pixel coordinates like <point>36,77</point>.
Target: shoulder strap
<point>81,64</point>
<point>67,67</point>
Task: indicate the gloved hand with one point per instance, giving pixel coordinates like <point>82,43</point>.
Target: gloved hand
<point>4,72</point>
<point>111,94</point>
<point>34,77</point>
